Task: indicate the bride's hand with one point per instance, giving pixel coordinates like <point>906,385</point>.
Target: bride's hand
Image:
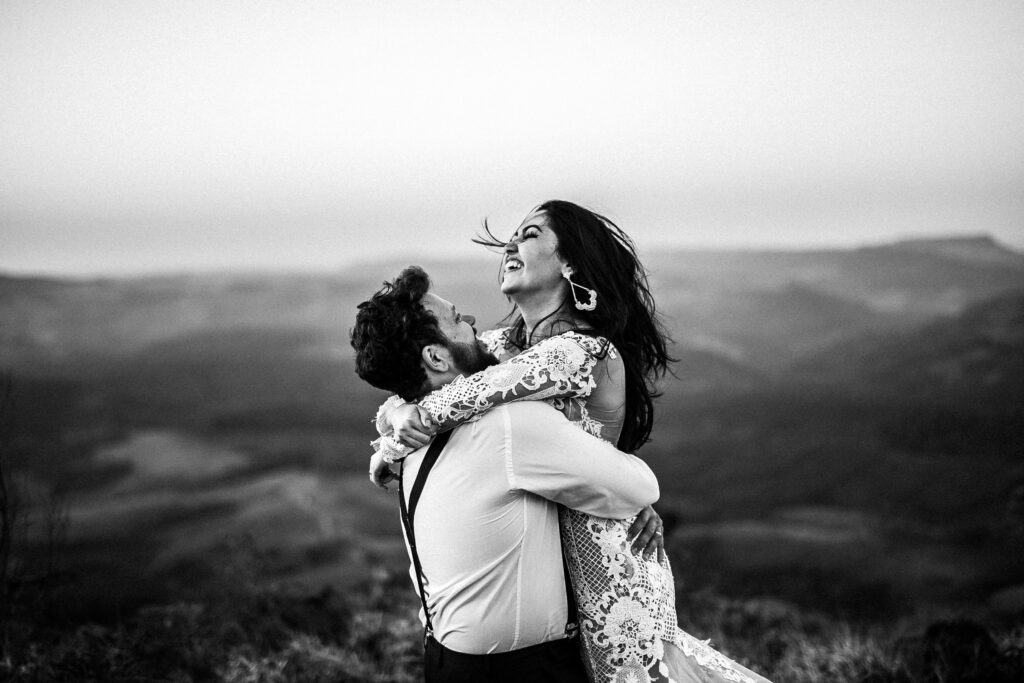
<point>380,471</point>
<point>412,425</point>
<point>650,534</point>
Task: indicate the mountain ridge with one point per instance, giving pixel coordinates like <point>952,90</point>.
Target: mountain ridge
<point>763,309</point>
<point>260,365</point>
<point>955,246</point>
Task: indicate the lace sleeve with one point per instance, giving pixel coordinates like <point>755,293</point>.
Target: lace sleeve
<point>494,340</point>
<point>558,367</point>
<point>381,420</point>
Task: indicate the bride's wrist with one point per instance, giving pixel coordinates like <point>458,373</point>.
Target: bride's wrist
<point>392,450</point>
<point>383,417</point>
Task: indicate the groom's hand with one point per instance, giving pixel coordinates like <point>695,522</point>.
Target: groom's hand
<point>650,534</point>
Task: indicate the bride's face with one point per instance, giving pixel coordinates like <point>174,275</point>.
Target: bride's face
<point>531,262</point>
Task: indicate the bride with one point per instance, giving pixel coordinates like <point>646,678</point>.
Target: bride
<point>583,336</point>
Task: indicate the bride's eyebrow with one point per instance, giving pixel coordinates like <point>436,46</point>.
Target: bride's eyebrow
<point>523,229</point>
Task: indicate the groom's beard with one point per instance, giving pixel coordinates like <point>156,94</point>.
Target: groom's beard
<point>470,358</point>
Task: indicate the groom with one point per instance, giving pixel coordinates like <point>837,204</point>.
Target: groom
<point>480,504</point>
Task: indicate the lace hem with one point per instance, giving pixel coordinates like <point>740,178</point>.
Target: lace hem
<point>710,659</point>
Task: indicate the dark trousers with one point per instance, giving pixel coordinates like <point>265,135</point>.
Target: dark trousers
<point>557,661</point>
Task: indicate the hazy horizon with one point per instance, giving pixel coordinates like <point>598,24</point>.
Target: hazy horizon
<point>141,137</point>
<point>476,252</point>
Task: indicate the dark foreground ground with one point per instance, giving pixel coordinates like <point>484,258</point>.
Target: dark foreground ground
<point>231,628</point>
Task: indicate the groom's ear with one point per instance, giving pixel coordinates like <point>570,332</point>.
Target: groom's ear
<point>436,357</point>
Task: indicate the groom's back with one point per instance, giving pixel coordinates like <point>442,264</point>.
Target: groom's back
<point>491,554</point>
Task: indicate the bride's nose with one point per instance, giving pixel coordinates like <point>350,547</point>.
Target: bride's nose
<point>470,319</point>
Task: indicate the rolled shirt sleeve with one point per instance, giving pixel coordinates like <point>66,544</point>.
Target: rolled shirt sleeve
<point>549,456</point>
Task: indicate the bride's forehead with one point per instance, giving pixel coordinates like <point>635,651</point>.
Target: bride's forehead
<point>535,217</point>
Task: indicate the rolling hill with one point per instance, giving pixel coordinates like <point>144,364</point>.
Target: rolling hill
<point>841,423</point>
<point>974,357</point>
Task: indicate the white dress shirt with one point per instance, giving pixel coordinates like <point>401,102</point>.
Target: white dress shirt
<point>487,522</point>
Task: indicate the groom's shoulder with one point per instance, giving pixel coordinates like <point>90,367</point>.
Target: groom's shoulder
<point>520,415</point>
<point>496,429</point>
<point>524,410</point>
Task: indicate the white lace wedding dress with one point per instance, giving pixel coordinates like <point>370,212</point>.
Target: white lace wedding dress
<point>626,604</point>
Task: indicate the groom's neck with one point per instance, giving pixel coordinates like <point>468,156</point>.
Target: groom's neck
<point>440,379</point>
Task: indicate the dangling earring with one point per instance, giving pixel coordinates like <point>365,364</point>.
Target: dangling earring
<point>567,271</point>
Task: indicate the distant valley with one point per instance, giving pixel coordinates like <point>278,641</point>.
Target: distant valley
<point>844,427</point>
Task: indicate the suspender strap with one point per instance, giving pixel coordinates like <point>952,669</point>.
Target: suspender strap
<point>409,512</point>
<point>572,623</point>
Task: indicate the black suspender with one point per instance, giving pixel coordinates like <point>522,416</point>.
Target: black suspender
<point>408,519</point>
<point>572,624</point>
<point>408,513</point>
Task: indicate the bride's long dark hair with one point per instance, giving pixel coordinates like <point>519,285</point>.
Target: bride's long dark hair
<point>604,259</point>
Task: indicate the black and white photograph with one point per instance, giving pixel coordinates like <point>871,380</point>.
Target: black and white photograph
<point>676,341</point>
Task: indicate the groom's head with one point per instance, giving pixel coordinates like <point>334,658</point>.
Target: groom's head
<point>408,340</point>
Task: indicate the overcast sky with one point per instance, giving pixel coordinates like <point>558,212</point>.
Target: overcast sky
<point>140,136</point>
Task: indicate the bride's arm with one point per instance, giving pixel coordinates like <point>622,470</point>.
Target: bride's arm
<point>558,367</point>
<point>493,340</point>
<point>415,426</point>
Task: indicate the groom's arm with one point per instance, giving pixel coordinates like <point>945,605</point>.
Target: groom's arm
<point>553,458</point>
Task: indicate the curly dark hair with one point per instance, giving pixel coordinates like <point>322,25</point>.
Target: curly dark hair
<point>390,331</point>
<point>604,258</point>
